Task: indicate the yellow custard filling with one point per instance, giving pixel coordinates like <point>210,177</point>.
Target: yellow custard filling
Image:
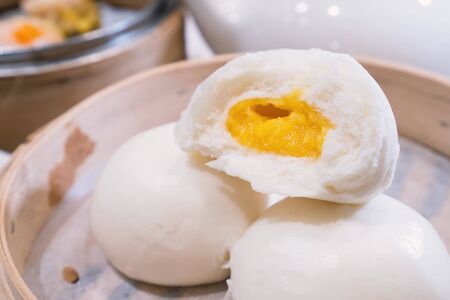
<point>287,125</point>
<point>27,33</point>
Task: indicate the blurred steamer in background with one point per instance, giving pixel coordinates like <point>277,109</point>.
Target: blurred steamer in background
<point>37,85</point>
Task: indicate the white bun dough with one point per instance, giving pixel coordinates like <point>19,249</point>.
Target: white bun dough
<point>358,155</point>
<point>163,217</point>
<point>307,249</point>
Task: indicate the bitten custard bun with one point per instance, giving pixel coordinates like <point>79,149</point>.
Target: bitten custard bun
<point>20,32</point>
<point>304,123</point>
<point>161,216</point>
<point>308,249</point>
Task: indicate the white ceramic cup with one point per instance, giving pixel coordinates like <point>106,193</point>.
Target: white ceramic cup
<point>414,32</point>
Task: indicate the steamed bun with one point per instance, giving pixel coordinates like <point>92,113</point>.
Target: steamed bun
<point>163,217</point>
<point>71,16</point>
<point>295,123</point>
<point>307,249</point>
<point>22,32</point>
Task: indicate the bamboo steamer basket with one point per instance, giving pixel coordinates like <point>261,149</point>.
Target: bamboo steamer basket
<point>44,191</point>
<point>33,93</point>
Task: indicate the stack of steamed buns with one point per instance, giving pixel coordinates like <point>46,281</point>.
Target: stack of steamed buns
<point>312,126</point>
<point>46,22</point>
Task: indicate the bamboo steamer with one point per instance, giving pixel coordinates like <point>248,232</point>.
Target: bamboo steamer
<point>34,93</point>
<point>44,192</point>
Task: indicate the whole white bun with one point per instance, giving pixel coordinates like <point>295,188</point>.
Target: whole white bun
<point>307,249</point>
<point>163,217</point>
<point>358,155</point>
